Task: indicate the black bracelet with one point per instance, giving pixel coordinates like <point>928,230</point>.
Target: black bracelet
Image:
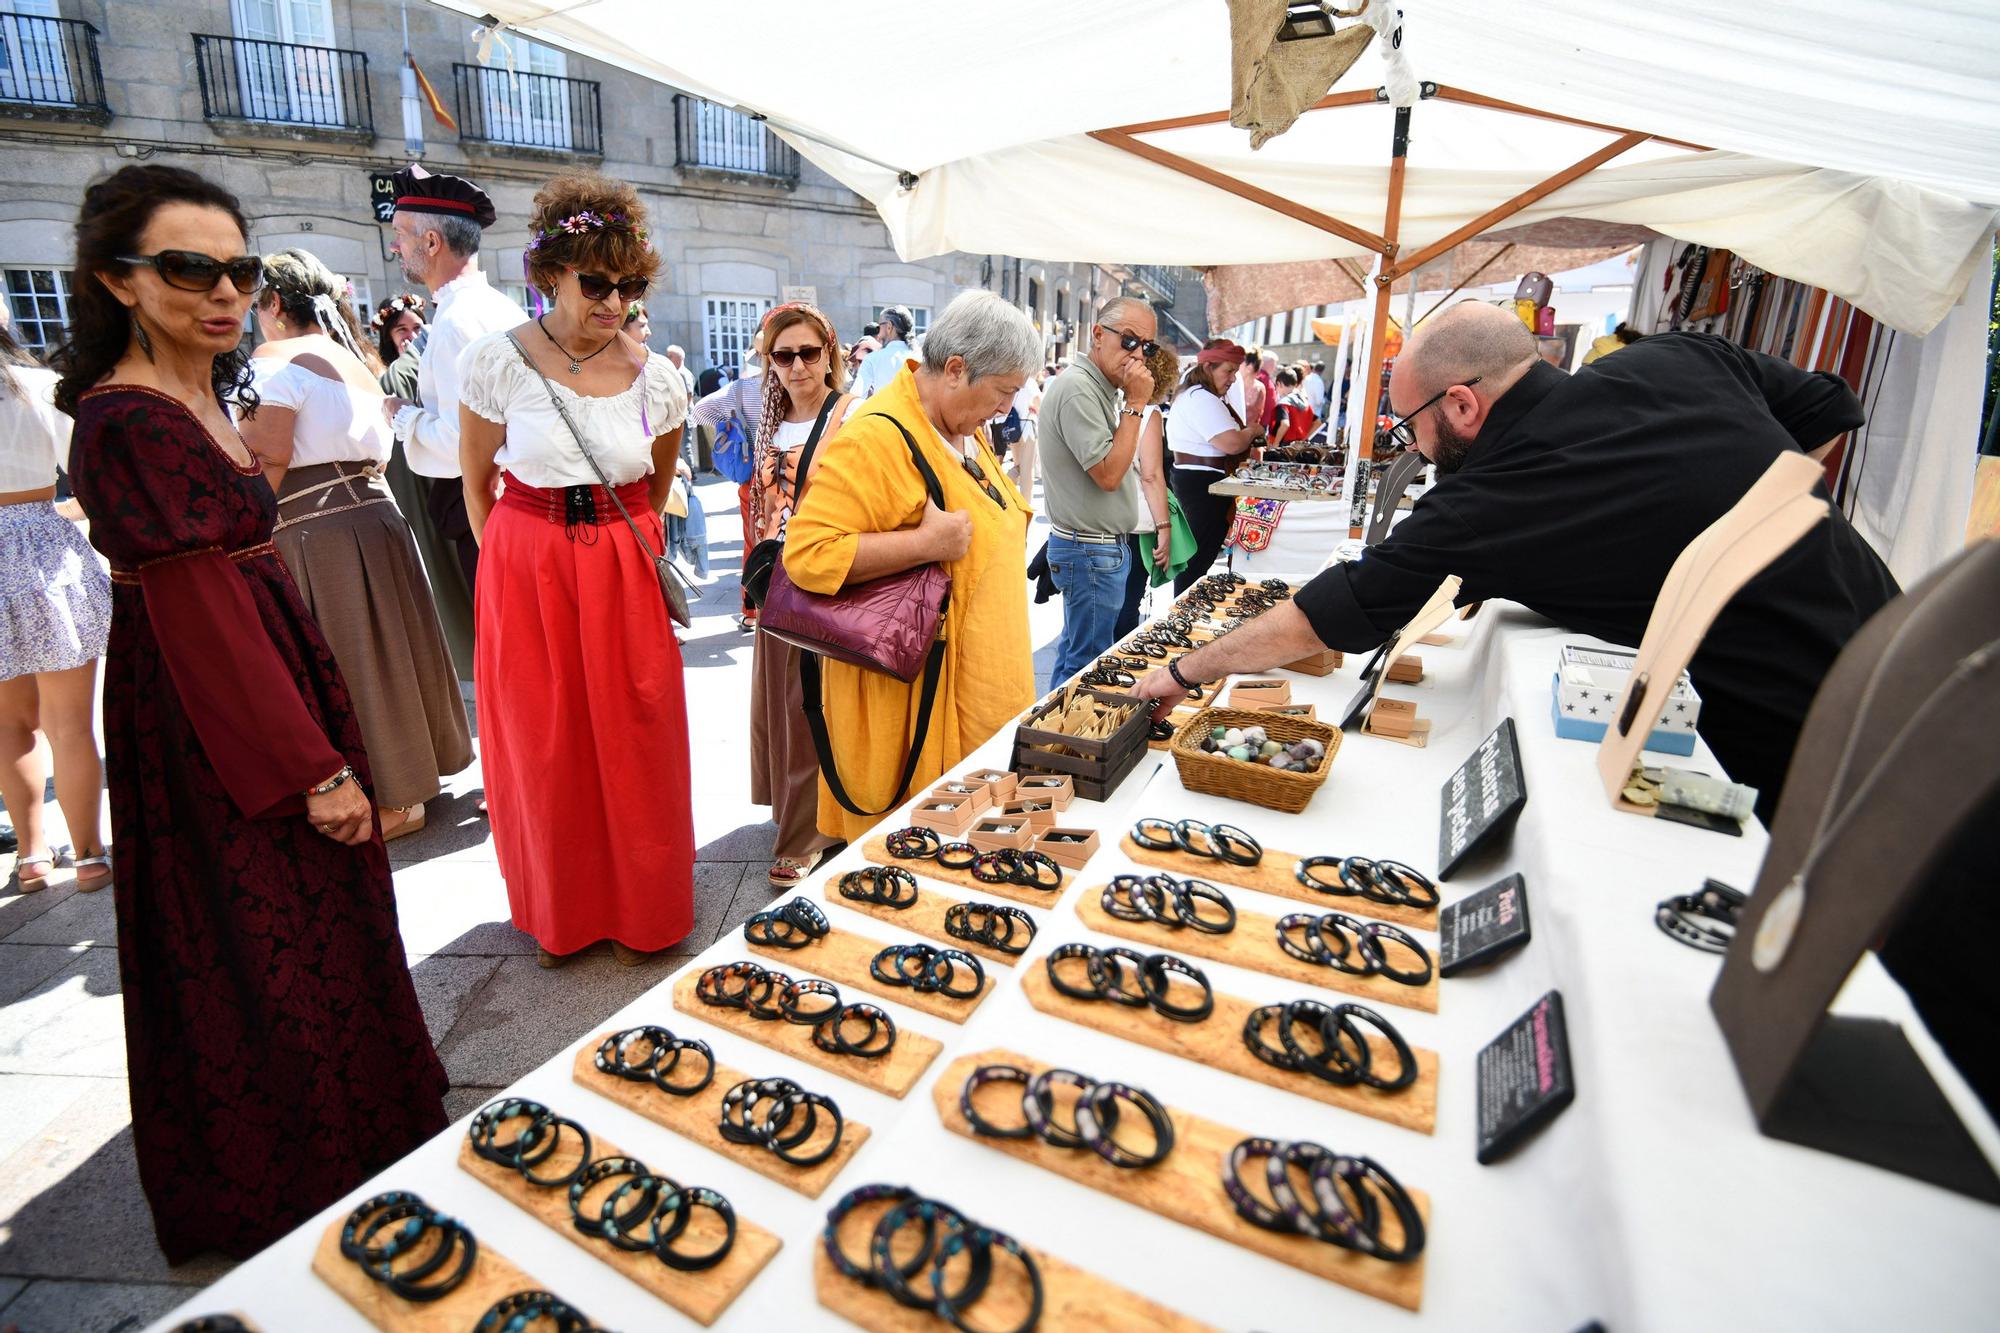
<point>957,855</point>
<point>1190,891</point>
<point>1174,670</point>
<point>1248,1206</point>
<point>1106,966</point>
<point>894,1278</point>
<point>1196,839</point>
<point>1153,975</point>
<point>1095,1127</point>
<point>1329,1219</point>
<point>1039,1105</point>
<point>949,1303</point>
<point>979,1078</point>
<point>784,1109</point>
<point>880,1025</point>
<point>774,931</point>
<point>854,1198</point>
<point>1336,1063</point>
<point>524,1310</point>
<point>619,1229</point>
<point>914,844</point>
<point>678,1045</point>
<point>949,960</point>
<point>686,1199</point>
<point>1062,953</point>
<point>735,1124</point>
<point>1369,1180</point>
<point>763,995</point>
<point>1370,943</point>
<point>790,1002</point>
<point>1143,833</point>
<point>714,985</point>
<point>1303,869</point>
<point>1141,900</point>
<point>1235,846</point>
<point>1416,888</point>
<point>1349,1016</point>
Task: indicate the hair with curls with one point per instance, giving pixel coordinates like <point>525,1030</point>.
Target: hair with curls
<point>387,315</point>
<point>114,214</point>
<point>308,293</point>
<point>1165,367</point>
<point>586,220</point>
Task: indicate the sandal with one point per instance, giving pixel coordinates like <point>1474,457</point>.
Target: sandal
<point>412,822</point>
<point>92,883</point>
<point>788,872</point>
<point>34,883</point>
<point>543,958</point>
<point>627,956</point>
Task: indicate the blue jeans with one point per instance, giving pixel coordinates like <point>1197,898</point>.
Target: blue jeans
<point>1091,579</point>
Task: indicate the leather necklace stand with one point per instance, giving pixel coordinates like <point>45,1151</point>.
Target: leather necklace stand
<point>1894,767</point>
<point>1396,719</point>
<point>1389,494</point>
<point>1767,522</point>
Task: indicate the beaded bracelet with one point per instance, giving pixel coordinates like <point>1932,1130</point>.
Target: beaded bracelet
<point>1370,942</point>
<point>914,844</point>
<point>1094,1127</point>
<point>950,1305</point>
<point>685,1199</point>
<point>981,1126</point>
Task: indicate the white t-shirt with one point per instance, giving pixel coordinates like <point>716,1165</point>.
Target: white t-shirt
<point>539,449</point>
<point>34,437</point>
<point>336,423</point>
<point>1198,417</point>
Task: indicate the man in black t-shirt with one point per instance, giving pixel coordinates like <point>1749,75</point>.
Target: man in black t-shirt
<point>1574,494</point>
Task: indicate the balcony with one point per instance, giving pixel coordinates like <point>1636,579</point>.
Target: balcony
<point>708,137</point>
<point>267,90</point>
<point>541,113</point>
<point>1163,281</point>
<point>49,70</point>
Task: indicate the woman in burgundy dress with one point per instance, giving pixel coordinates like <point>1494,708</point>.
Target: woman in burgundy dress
<point>277,1054</point>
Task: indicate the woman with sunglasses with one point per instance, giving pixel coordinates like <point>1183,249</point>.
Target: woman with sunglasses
<point>321,436</point>
<point>1208,440</point>
<point>804,404</point>
<point>269,1015</point>
<point>868,513</point>
<point>583,724</point>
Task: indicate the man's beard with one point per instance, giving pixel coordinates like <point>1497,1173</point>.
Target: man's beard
<point>1451,449</point>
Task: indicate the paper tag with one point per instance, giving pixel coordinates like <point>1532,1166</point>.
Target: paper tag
<point>1524,1078</point>
<point>1479,928</point>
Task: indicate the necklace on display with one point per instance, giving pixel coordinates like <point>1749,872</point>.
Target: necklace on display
<point>575,362</point>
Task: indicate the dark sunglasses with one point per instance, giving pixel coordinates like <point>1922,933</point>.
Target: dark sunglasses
<point>784,356</point>
<point>192,271</point>
<point>978,474</point>
<point>595,288</point>
<point>1132,342</point>
<point>1404,434</point>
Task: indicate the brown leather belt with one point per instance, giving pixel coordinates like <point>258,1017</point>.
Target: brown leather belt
<point>1223,463</point>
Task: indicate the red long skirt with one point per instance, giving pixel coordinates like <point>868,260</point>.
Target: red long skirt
<point>583,727</point>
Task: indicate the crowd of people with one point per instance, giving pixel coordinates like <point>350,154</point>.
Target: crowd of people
<point>298,547</point>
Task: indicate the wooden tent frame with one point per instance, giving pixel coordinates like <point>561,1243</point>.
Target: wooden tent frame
<point>1384,244</point>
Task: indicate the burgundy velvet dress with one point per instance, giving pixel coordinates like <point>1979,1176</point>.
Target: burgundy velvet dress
<point>276,1050</point>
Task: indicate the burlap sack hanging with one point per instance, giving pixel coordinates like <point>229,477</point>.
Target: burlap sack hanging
<point>1272,82</point>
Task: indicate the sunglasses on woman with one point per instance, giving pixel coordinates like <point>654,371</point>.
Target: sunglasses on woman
<point>192,271</point>
<point>784,356</point>
<point>978,474</point>
<point>596,288</point>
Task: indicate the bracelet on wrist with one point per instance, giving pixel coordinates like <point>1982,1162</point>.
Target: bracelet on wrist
<point>346,772</point>
<point>1174,670</point>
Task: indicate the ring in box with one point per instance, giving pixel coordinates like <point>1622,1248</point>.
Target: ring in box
<point>1069,847</point>
<point>1038,811</point>
<point>998,833</point>
<point>947,818</point>
<point>999,780</point>
<point>1406,670</point>
<point>963,789</point>
<point>1052,787</point>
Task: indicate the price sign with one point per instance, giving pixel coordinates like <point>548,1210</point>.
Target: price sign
<point>1482,799</point>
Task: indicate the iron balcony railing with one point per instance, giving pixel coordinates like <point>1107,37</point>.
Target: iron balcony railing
<point>715,138</point>
<point>1162,279</point>
<point>50,63</point>
<point>502,106</point>
<point>284,83</point>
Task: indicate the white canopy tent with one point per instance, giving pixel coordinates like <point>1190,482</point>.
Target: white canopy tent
<point>1852,146</point>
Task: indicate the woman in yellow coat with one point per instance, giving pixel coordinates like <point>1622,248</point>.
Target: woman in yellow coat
<point>867,515</point>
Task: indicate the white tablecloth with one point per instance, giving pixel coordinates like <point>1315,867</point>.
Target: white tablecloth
<point>1652,1202</point>
<point>1306,535</point>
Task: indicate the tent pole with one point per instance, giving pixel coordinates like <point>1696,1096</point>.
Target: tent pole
<point>1447,93</point>
<point>1371,394</point>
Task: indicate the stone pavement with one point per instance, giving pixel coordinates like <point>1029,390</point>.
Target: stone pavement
<point>76,1242</point>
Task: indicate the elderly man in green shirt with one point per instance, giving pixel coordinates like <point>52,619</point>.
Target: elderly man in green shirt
<point>1089,487</point>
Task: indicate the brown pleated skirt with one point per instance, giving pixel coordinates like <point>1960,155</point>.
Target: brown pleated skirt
<point>784,768</point>
<point>352,555</point>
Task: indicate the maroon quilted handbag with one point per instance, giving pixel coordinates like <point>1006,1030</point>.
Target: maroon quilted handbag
<point>894,625</point>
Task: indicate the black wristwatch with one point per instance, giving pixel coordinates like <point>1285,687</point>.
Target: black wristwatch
<point>1174,670</point>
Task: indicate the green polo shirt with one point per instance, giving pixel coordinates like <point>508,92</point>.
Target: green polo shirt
<point>1078,417</point>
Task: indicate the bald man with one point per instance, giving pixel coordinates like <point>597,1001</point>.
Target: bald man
<point>1573,495</point>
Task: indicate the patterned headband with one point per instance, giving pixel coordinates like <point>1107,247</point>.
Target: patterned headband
<point>577,224</point>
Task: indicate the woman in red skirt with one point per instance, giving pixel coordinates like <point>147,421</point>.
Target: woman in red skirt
<point>582,720</point>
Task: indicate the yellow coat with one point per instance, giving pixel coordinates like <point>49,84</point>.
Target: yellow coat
<point>864,481</point>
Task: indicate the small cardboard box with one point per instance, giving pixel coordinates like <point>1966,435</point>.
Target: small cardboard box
<point>947,818</point>
<point>998,780</point>
<point>1054,787</point>
<point>964,789</point>
<point>1407,669</point>
<point>1069,847</point>
<point>1322,663</point>
<point>1585,690</point>
<point>1253,693</point>
<point>999,833</point>
<point>1283,710</point>
<point>1039,811</point>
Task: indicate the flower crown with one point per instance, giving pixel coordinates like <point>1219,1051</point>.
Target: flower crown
<point>394,308</point>
<point>576,224</point>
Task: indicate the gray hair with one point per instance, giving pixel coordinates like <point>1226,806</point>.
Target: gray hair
<point>460,235</point>
<point>991,336</point>
<point>1123,309</point>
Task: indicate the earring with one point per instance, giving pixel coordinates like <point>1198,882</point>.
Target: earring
<point>139,332</point>
<point>279,324</point>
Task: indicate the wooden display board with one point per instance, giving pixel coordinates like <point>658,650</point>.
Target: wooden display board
<point>894,1074</point>
<point>698,1117</point>
<point>1273,875</point>
<point>1186,1187</point>
<point>701,1296</point>
<point>492,1278</point>
<point>1217,1042</point>
<point>877,850</point>
<point>923,917</point>
<point>844,956</point>
<point>1254,944</point>
<point>1073,1301</point>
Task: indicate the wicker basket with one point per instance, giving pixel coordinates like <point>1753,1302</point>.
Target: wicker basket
<point>1259,784</point>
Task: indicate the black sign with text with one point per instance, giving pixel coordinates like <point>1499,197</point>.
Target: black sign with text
<point>1483,798</point>
<point>1480,927</point>
<point>382,196</point>
<point>1524,1078</point>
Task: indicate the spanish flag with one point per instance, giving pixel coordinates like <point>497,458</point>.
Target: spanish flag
<point>444,117</point>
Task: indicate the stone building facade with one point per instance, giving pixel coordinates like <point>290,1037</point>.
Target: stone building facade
<point>294,105</point>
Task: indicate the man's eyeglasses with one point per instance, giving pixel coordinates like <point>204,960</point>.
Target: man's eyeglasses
<point>784,356</point>
<point>978,474</point>
<point>1403,434</point>
<point>192,271</point>
<point>1132,342</point>
<point>595,287</point>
